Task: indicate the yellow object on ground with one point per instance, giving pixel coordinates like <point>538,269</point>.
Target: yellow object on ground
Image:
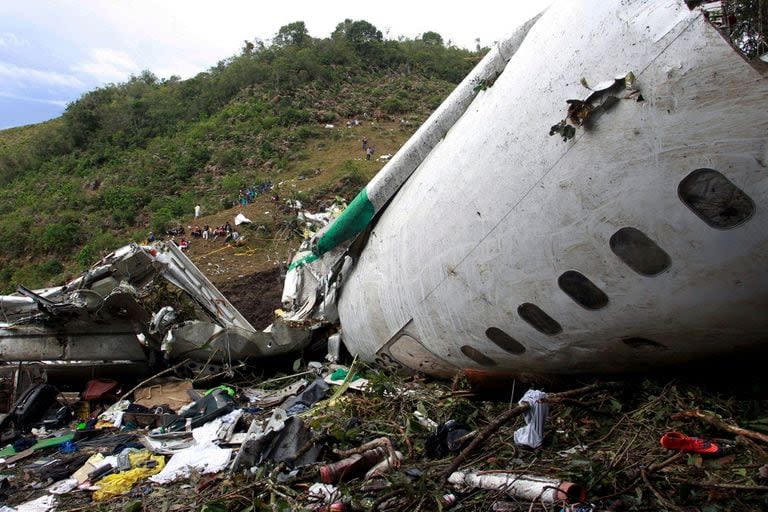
<point>121,483</point>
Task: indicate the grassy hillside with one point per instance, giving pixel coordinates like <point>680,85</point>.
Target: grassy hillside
<point>133,157</point>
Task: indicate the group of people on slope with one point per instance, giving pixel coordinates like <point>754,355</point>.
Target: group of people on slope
<point>247,195</point>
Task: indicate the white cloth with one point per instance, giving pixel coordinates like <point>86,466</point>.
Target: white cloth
<point>242,219</point>
<point>532,434</point>
<point>203,458</point>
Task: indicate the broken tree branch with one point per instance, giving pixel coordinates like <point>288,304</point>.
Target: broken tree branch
<point>722,425</point>
<point>384,442</point>
<point>648,470</point>
<point>663,501</point>
<point>508,415</point>
<point>732,487</point>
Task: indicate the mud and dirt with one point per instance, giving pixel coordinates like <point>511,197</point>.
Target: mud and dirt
<point>256,296</point>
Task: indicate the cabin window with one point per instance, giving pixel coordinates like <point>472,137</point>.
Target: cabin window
<point>504,341</point>
<point>582,290</point>
<point>715,199</point>
<point>638,251</point>
<point>477,356</point>
<point>538,319</point>
<point>636,342</point>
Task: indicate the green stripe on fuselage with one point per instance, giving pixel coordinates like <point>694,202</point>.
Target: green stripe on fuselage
<point>352,221</point>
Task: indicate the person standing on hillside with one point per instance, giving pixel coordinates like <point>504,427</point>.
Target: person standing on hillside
<point>365,143</point>
<point>197,211</point>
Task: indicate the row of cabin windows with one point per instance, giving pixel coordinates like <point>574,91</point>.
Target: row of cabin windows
<point>709,194</point>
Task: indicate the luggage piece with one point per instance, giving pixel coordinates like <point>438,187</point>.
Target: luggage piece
<point>33,404</point>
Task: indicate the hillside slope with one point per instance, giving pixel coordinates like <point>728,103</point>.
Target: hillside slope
<point>136,157</point>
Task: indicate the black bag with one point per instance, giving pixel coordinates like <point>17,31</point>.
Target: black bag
<point>33,404</point>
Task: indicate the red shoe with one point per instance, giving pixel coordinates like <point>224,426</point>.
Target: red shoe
<point>683,443</point>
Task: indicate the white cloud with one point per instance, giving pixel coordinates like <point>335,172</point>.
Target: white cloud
<point>47,101</point>
<point>107,65</point>
<point>25,75</point>
<point>189,36</point>
<point>9,40</point>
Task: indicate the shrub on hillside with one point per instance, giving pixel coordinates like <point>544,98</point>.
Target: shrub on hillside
<point>393,105</point>
<point>61,237</point>
<point>15,236</point>
<point>123,203</point>
<point>97,247</point>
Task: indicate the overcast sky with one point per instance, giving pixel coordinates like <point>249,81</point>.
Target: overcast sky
<point>52,51</point>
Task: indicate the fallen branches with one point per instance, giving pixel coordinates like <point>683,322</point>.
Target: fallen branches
<point>714,485</point>
<point>508,415</point>
<point>647,471</point>
<point>613,456</point>
<point>722,425</point>
<point>663,501</point>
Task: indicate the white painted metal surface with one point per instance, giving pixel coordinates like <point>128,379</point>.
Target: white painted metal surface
<point>498,209</point>
<point>103,316</point>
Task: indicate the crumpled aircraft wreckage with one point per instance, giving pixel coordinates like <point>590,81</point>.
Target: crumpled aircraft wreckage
<point>104,317</point>
<point>634,238</point>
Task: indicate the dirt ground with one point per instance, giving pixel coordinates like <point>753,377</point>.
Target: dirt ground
<point>256,296</point>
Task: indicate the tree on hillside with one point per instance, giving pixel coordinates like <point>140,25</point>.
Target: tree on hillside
<point>295,34</point>
<point>362,33</point>
<point>363,36</point>
<point>432,38</point>
<point>147,77</point>
<point>341,30</point>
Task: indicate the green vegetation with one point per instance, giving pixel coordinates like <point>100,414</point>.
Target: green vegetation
<point>137,156</point>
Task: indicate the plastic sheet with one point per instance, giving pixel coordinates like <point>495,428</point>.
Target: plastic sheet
<point>532,434</point>
<point>242,219</point>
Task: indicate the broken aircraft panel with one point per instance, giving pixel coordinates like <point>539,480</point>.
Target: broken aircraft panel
<point>106,315</point>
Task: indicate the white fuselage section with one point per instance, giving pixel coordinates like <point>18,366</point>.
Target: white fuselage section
<point>500,221</point>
